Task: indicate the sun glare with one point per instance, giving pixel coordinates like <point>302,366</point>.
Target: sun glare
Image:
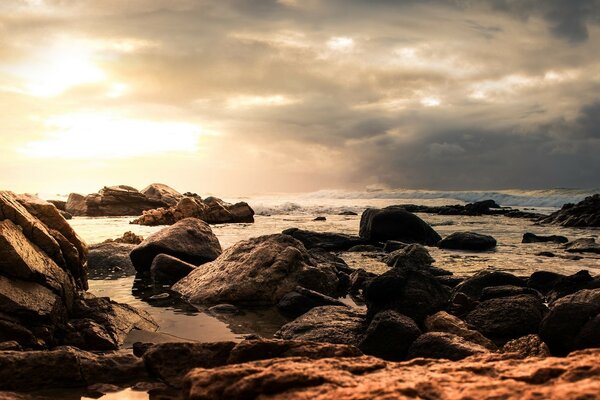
<point>102,136</point>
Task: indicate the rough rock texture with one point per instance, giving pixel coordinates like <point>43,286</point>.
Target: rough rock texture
<point>543,281</point>
<point>487,376</point>
<point>190,240</point>
<point>584,245</point>
<point>572,322</point>
<point>111,201</point>
<point>444,322</point>
<point>474,285</point>
<point>211,210</point>
<point>570,284</point>
<point>258,271</point>
<point>171,361</point>
<point>163,193</point>
<point>110,260</point>
<point>395,223</point>
<point>389,336</point>
<point>409,291</point>
<point>325,240</point>
<point>444,345</point>
<point>493,292</point>
<point>507,317</point>
<point>468,241</point>
<point>412,256</point>
<point>527,346</point>
<point>533,238</point>
<point>169,269</point>
<point>586,213</point>
<point>329,324</point>
<point>127,238</point>
<point>301,300</point>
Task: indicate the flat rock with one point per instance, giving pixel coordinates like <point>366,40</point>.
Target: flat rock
<point>190,240</point>
<point>258,271</point>
<point>471,241</point>
<point>395,223</point>
<point>533,238</point>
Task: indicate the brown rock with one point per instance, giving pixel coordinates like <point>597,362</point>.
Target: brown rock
<point>444,322</point>
<point>162,192</point>
<point>444,345</point>
<point>527,346</point>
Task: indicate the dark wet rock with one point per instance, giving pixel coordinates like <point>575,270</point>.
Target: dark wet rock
<point>411,256</point>
<point>359,279</point>
<point>113,201</point>
<point>65,214</point>
<point>224,309</point>
<point>163,193</point>
<point>584,245</point>
<point>301,300</point>
<point>461,304</point>
<point>408,291</point>
<point>127,238</point>
<point>364,248</point>
<point>169,269</point>
<point>444,322</point>
<point>258,271</point>
<point>449,280</point>
<point>506,318</point>
<point>474,285</point>
<point>567,318</point>
<point>347,213</point>
<point>329,324</point>
<point>393,245</point>
<point>171,361</point>
<point>533,238</point>
<point>389,335</point>
<point>572,283</point>
<point>483,376</point>
<point>59,204</point>
<point>494,292</point>
<point>190,240</point>
<point>586,213</point>
<point>325,240</point>
<point>588,336</point>
<point>527,346</point>
<point>320,218</point>
<point>110,260</point>
<point>545,254</point>
<point>395,223</point>
<point>444,345</point>
<point>543,281</point>
<point>468,241</point>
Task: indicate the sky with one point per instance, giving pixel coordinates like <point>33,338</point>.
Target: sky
<point>240,97</point>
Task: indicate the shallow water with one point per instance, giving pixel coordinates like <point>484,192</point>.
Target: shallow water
<point>181,321</point>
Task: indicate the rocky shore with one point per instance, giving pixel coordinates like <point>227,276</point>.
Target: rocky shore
<point>422,332</point>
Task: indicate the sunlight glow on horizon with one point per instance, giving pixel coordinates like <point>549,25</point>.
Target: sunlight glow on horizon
<point>106,136</point>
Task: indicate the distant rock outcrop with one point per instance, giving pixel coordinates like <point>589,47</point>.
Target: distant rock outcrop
<point>113,201</point>
<point>586,213</point>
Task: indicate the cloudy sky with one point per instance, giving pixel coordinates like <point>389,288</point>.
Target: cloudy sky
<point>237,97</point>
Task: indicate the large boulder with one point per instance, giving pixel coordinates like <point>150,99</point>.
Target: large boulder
<point>190,240</point>
<point>467,241</point>
<point>325,240</point>
<point>408,291</point>
<point>566,326</point>
<point>586,213</point>
<point>163,193</point>
<point>483,376</point>
<point>112,201</point>
<point>572,283</point>
<point>329,324</point>
<point>474,285</point>
<point>395,223</point>
<point>505,318</point>
<point>389,336</point>
<point>168,269</point>
<point>258,271</point>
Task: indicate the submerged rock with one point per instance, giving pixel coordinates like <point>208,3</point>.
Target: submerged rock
<point>586,213</point>
<point>468,241</point>
<point>190,240</point>
<point>411,256</point>
<point>258,271</point>
<point>395,223</point>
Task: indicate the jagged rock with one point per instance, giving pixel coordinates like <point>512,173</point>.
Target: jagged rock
<point>127,238</point>
<point>328,324</point>
<point>444,322</point>
<point>468,241</point>
<point>365,378</point>
<point>408,291</point>
<point>507,318</point>
<point>563,325</point>
<point>586,213</point>
<point>584,245</point>
<point>163,193</point>
<point>389,335</point>
<point>301,300</point>
<point>444,345</point>
<point>110,260</point>
<point>190,240</point>
<point>533,238</point>
<point>395,223</point>
<point>112,201</point>
<point>258,271</point>
<point>527,346</point>
<point>474,285</point>
<point>171,361</point>
<point>169,269</point>
<point>325,240</point>
<point>359,280</point>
